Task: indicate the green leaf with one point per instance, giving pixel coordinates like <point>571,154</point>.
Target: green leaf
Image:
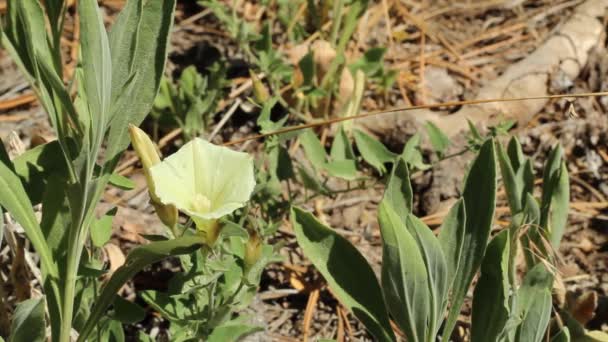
<point>36,165</point>
<point>345,169</point>
<point>534,304</point>
<point>405,282</point>
<point>341,148</point>
<point>492,293</point>
<point>336,258</point>
<point>562,336</point>
<point>373,151</point>
<point>121,182</point>
<point>14,199</point>
<point>28,322</point>
<point>412,155</point>
<point>480,198</point>
<point>127,312</point>
<point>439,140</point>
<point>232,331</point>
<point>97,67</point>
<point>398,191</point>
<point>313,149</point>
<point>515,153</point>
<point>555,197</point>
<point>307,66</point>
<point>451,238</point>
<point>139,258</point>
<point>437,271</point>
<point>513,188</point>
<point>101,231</point>
<point>136,89</point>
<point>311,182</point>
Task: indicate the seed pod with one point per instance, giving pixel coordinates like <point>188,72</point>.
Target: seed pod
<point>260,93</point>
<point>253,249</point>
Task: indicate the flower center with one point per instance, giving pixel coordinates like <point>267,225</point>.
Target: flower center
<point>200,204</point>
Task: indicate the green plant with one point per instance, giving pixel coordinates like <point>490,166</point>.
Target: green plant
<point>192,102</point>
<point>423,275</point>
<point>115,83</point>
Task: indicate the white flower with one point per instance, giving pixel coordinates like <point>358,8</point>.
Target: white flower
<point>205,181</point>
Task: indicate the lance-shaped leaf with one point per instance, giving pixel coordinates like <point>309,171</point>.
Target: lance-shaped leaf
<point>513,188</point>
<point>139,258</point>
<point>492,292</point>
<point>341,148</point>
<point>346,271</point>
<point>534,304</point>
<point>398,191</point>
<point>139,42</point>
<point>405,281</point>
<point>480,198</point>
<point>97,67</point>
<point>451,237</point>
<point>436,268</point>
<point>555,197</point>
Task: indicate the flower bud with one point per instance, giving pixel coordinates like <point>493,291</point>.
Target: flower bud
<point>260,93</point>
<point>253,249</point>
<point>208,229</point>
<point>146,151</point>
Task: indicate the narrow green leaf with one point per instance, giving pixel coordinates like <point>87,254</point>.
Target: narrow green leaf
<point>398,191</point>
<point>336,258</point>
<point>139,258</point>
<point>311,182</point>
<point>121,182</point>
<point>28,322</point>
<point>404,276</point>
<point>439,140</point>
<point>373,151</point>
<point>412,155</point>
<point>515,153</point>
<point>451,238</point>
<point>491,297</point>
<point>232,331</point>
<point>480,198</point>
<point>513,188</point>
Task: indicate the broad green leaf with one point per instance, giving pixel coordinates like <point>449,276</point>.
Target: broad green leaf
<point>126,311</point>
<point>451,238</point>
<point>373,151</point>
<point>533,304</point>
<point>336,258</point>
<point>345,169</point>
<point>307,66</point>
<point>513,188</point>
<point>341,147</point>
<point>36,165</point>
<point>436,268</point>
<point>101,231</point>
<point>139,258</point>
<point>438,139</point>
<point>14,199</point>
<point>232,331</point>
<point>480,198</point>
<point>28,322</point>
<point>491,297</point>
<point>313,149</point>
<point>405,281</point>
<point>56,217</point>
<point>398,191</point>
<point>146,63</point>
